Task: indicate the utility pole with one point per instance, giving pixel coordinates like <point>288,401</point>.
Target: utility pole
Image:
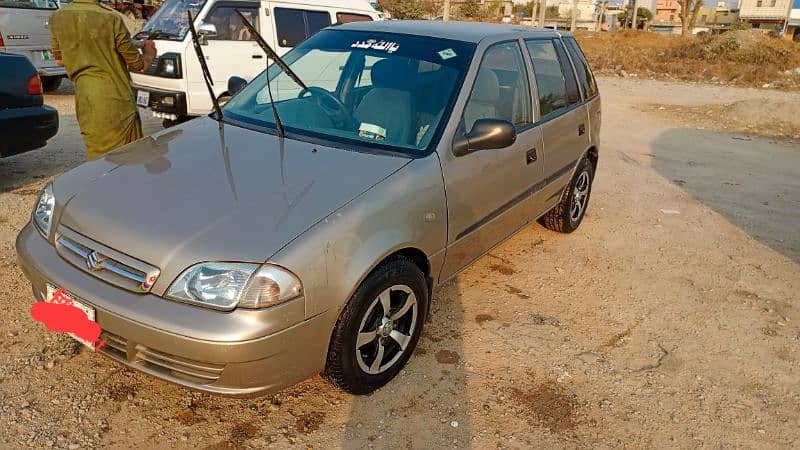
<point>601,15</point>
<point>542,8</point>
<point>574,15</point>
<point>635,11</point>
<point>446,13</point>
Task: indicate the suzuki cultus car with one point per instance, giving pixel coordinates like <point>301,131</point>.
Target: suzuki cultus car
<point>235,256</point>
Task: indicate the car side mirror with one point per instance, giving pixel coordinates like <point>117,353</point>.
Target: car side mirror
<point>204,31</point>
<point>235,84</point>
<point>486,134</point>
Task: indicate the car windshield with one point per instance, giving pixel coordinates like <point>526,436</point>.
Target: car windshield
<point>372,90</point>
<point>29,4</point>
<point>170,22</point>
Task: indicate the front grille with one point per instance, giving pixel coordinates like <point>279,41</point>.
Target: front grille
<point>169,365</point>
<point>104,263</point>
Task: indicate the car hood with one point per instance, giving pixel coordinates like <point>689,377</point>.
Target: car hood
<point>205,192</point>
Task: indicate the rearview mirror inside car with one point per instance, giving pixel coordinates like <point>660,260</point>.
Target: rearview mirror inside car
<point>235,84</point>
<point>486,134</point>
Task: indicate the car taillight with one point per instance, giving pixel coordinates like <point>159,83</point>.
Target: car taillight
<point>2,44</point>
<point>35,85</point>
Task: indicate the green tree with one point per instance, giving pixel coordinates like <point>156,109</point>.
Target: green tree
<point>407,9</point>
<point>551,12</point>
<point>471,9</point>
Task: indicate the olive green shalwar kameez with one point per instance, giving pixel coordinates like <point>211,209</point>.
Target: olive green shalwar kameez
<point>97,51</point>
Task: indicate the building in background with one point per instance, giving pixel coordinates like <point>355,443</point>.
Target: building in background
<point>587,10</point>
<point>766,14</point>
<point>667,12</point>
<point>718,17</point>
<point>793,27</point>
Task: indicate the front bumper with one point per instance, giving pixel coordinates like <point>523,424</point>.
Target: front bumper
<point>167,103</point>
<point>24,129</point>
<point>232,367</point>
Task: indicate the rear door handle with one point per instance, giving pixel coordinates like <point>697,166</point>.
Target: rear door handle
<point>581,129</point>
<point>530,156</point>
<point>258,56</point>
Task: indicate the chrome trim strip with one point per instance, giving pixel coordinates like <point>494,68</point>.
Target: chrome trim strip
<point>105,263</point>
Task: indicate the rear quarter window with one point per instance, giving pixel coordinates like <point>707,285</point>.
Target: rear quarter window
<point>582,67</point>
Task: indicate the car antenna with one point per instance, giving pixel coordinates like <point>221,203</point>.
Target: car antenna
<point>270,52</point>
<point>206,74</point>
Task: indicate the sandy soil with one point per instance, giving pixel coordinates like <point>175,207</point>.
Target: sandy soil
<point>670,319</point>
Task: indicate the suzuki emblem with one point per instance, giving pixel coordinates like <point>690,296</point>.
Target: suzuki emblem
<point>94,261</point>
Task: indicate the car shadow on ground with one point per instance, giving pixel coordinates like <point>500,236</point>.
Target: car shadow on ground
<point>753,182</point>
<point>427,405</point>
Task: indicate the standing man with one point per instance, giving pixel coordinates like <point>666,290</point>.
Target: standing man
<point>93,44</point>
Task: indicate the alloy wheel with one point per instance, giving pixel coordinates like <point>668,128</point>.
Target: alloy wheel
<point>386,329</point>
<point>580,196</point>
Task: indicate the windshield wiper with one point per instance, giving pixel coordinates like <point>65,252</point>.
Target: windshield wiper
<point>270,52</point>
<point>156,34</point>
<point>274,56</point>
<point>206,74</point>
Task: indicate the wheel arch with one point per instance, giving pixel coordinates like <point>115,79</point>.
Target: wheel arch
<point>415,255</point>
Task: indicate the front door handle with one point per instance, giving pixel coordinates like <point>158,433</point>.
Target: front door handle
<point>530,156</point>
<point>581,129</point>
<point>258,56</point>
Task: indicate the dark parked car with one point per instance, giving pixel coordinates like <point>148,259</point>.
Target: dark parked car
<point>25,122</point>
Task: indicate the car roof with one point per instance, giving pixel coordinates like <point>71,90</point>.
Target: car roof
<point>459,31</point>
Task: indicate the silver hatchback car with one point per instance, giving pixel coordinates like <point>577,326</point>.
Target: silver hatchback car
<point>224,258</point>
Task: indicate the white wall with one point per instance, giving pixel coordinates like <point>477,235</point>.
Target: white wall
<point>766,10</point>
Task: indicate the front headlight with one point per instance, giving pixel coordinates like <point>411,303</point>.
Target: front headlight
<point>169,65</point>
<point>225,286</point>
<point>43,213</point>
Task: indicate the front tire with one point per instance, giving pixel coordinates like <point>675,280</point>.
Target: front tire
<point>378,328</point>
<point>568,214</point>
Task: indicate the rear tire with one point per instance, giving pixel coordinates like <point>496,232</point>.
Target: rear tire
<point>370,345</point>
<point>568,214</point>
<point>50,83</point>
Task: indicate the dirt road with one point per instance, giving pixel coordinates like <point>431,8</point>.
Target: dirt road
<point>670,319</point>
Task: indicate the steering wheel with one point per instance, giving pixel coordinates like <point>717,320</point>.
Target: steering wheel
<point>341,115</point>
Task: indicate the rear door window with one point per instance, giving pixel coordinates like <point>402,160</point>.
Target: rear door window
<point>555,80</point>
<point>294,26</point>
<point>549,79</point>
<point>582,67</point>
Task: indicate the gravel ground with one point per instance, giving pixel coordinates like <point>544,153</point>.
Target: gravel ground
<point>670,319</point>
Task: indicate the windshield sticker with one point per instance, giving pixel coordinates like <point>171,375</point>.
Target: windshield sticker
<point>371,131</point>
<point>447,54</point>
<point>387,46</point>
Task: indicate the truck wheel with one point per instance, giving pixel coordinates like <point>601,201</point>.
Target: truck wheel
<point>567,215</point>
<point>50,83</point>
<point>378,328</point>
